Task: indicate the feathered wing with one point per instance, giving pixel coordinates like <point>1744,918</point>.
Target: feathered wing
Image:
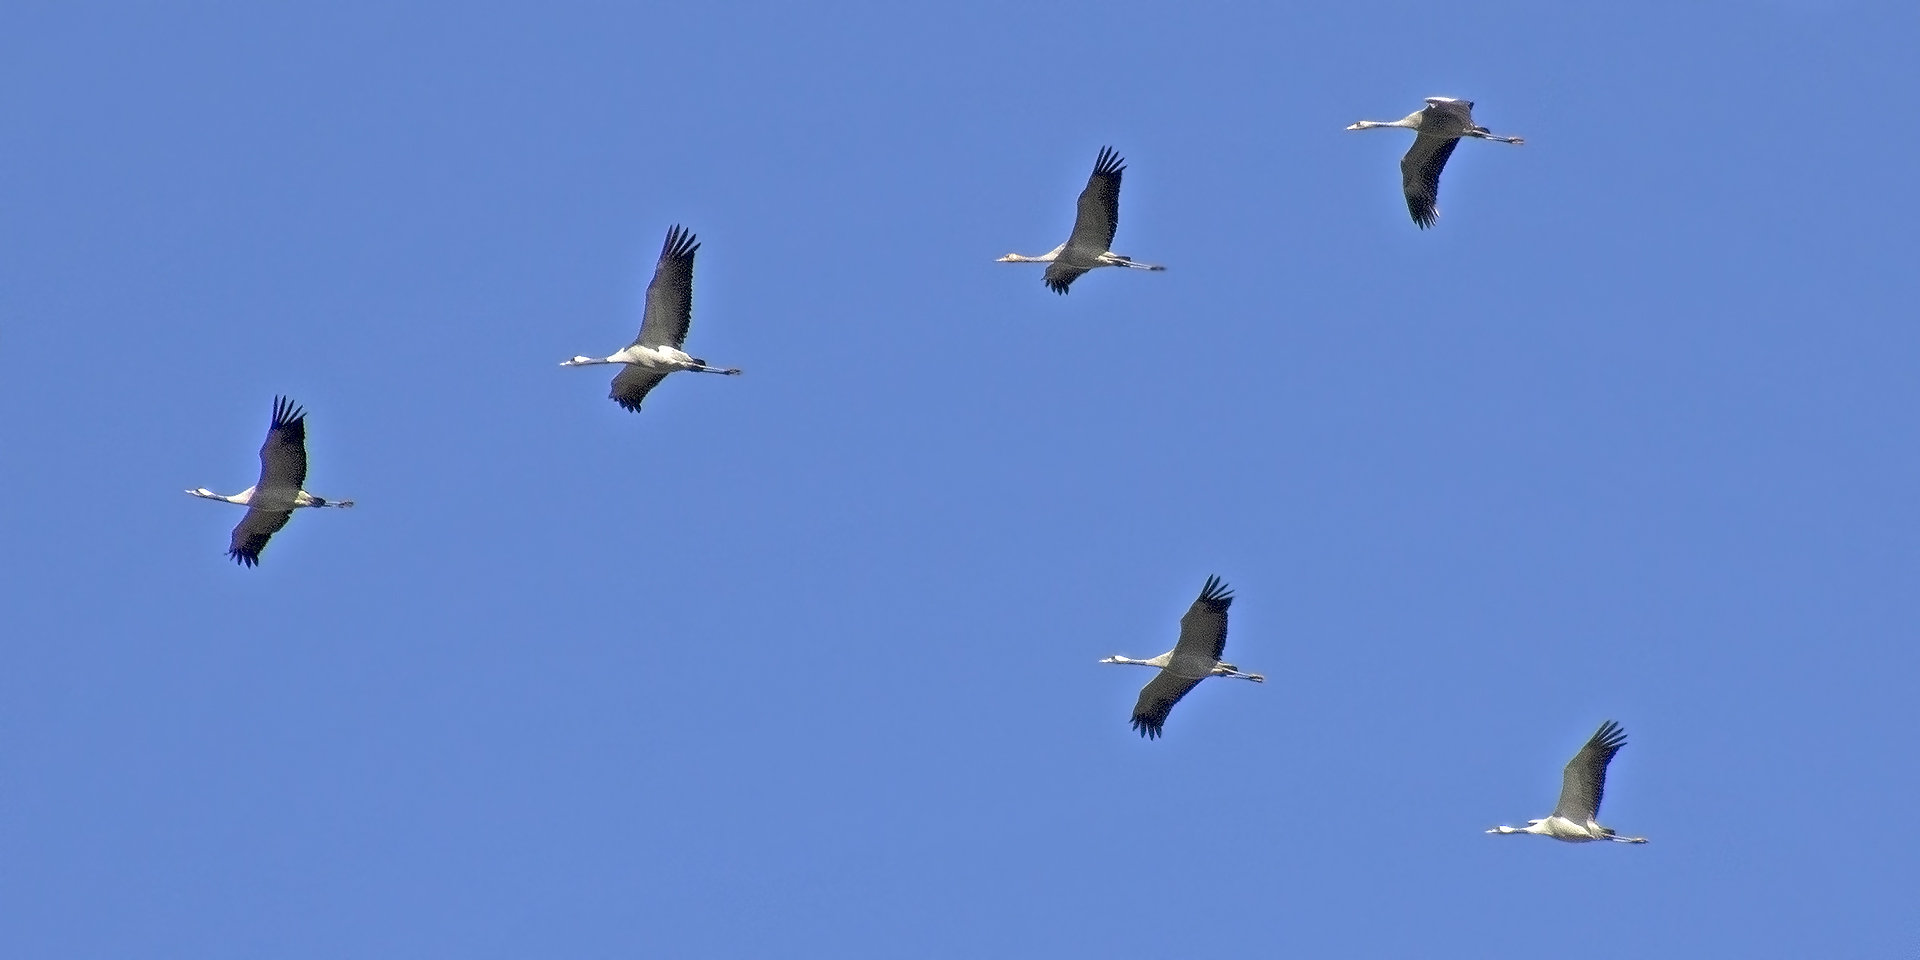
<point>1420,176</point>
<point>1585,778</point>
<point>283,457</point>
<point>1203,631</point>
<point>632,384</point>
<point>254,530</point>
<point>1098,217</point>
<point>1060,276</point>
<point>670,295</point>
<point>1156,702</point>
<point>1094,223</point>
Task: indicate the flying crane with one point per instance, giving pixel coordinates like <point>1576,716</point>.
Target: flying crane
<point>270,502</point>
<point>1093,228</point>
<point>1440,126</point>
<point>1194,657</point>
<point>656,352</point>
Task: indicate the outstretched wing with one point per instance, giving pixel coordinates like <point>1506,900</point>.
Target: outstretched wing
<point>1156,701</point>
<point>254,530</point>
<point>1060,276</point>
<point>1420,176</point>
<point>283,457</point>
<point>1203,631</point>
<point>670,295</point>
<point>1585,778</point>
<point>632,384</point>
<point>1099,213</point>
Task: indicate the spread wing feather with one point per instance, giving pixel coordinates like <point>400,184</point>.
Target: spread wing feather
<point>670,295</point>
<point>283,456</point>
<point>633,383</point>
<point>1585,777</point>
<point>250,536</point>
<point>1203,631</point>
<point>1156,702</point>
<point>1420,176</point>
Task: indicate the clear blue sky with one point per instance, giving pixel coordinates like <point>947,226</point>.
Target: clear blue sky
<point>802,663</point>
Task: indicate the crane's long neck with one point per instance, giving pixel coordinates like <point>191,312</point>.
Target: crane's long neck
<point>587,361</point>
<point>1018,258</point>
<point>1116,658</point>
<point>1409,123</point>
<point>242,498</point>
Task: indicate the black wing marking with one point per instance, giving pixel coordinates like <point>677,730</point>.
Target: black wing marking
<point>1203,631</point>
<point>1156,701</point>
<point>1585,778</point>
<point>1420,176</point>
<point>1098,216</point>
<point>632,384</point>
<point>254,530</point>
<point>283,456</point>
<point>670,295</point>
<point>1060,276</point>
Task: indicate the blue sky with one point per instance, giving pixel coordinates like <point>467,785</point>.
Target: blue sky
<point>802,663</point>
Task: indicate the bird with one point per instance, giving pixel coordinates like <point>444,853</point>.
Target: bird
<point>1194,657</point>
<point>1440,126</point>
<point>271,501</point>
<point>1093,228</point>
<point>1581,785</point>
<point>663,328</point>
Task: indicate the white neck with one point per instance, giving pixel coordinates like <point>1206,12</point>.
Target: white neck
<point>243,498</point>
<point>1411,123</point>
<point>1159,661</point>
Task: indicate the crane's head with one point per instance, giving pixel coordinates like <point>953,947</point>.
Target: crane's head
<point>1009,258</point>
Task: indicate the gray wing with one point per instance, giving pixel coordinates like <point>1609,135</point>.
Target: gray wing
<point>254,530</point>
<point>283,457</point>
<point>1060,276</point>
<point>1203,631</point>
<point>1099,214</point>
<point>1420,176</point>
<point>1156,701</point>
<point>1462,109</point>
<point>1585,778</point>
<point>632,384</point>
<point>670,295</point>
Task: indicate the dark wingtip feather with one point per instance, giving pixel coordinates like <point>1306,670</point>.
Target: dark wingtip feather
<point>1059,286</point>
<point>1109,163</point>
<point>1423,216</point>
<point>1610,737</point>
<point>1217,593</point>
<point>285,411</point>
<point>1148,728</point>
<point>245,558</point>
<point>681,244</point>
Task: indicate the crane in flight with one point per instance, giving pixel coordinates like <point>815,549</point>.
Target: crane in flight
<point>1581,785</point>
<point>1093,228</point>
<point>270,502</point>
<point>1194,657</point>
<point>1439,126</point>
<point>663,328</point>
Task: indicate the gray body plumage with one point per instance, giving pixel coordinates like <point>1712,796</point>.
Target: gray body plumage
<point>1438,128</point>
<point>656,351</point>
<point>270,502</point>
<point>1194,657</point>
<point>1096,220</point>
<point>1583,782</point>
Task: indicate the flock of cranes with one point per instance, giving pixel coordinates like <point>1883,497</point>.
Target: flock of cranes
<point>1196,655</point>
